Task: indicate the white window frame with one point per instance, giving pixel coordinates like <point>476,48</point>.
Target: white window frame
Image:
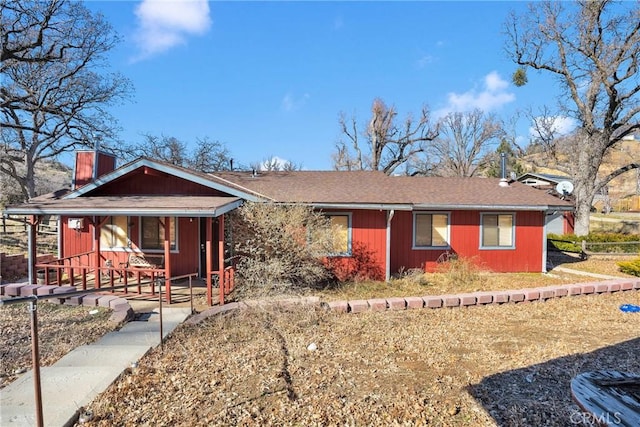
<point>173,249</point>
<point>110,224</point>
<point>415,246</point>
<point>349,233</point>
<point>513,230</point>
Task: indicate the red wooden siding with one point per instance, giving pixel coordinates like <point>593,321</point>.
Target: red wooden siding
<point>569,223</point>
<point>75,241</point>
<point>465,242</point>
<point>368,246</point>
<point>140,183</point>
<point>106,164</point>
<point>186,260</point>
<point>86,165</point>
<point>83,169</point>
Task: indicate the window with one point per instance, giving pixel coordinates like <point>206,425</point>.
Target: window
<point>153,232</point>
<point>430,230</point>
<point>497,230</point>
<point>341,225</point>
<point>114,234</point>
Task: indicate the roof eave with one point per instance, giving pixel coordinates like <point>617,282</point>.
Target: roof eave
<point>362,206</point>
<point>194,212</point>
<point>493,207</point>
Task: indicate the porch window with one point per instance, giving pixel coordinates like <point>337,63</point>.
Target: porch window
<point>497,230</point>
<point>153,232</point>
<point>341,227</point>
<point>430,230</point>
<point>113,234</point>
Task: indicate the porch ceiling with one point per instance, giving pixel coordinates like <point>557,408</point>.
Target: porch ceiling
<point>195,206</point>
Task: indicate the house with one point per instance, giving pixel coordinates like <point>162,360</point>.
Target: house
<point>147,208</point>
<point>558,222</point>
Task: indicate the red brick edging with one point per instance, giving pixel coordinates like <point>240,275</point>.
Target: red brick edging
<point>122,310</point>
<point>441,301</point>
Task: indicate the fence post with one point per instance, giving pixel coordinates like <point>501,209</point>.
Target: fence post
<point>35,356</point>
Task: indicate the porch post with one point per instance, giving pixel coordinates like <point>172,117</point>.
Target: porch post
<point>208,254</point>
<point>387,273</point>
<point>167,258</point>
<point>221,257</point>
<point>96,245</point>
<point>33,248</point>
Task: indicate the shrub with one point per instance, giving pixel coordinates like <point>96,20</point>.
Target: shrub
<point>457,270</point>
<point>630,267</point>
<point>274,246</point>
<point>360,266</point>
<point>415,276</point>
<point>596,242</point>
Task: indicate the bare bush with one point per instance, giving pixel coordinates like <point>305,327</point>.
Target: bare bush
<point>281,247</point>
<point>457,270</point>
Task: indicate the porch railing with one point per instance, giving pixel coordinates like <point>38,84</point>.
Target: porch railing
<point>72,268</point>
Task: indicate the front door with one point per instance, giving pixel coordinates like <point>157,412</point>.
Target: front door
<point>203,246</point>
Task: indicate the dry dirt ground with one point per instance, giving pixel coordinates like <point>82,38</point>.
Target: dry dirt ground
<point>60,329</point>
<point>507,365</point>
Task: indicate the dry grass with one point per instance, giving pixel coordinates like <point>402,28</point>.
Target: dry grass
<point>463,278</point>
<point>507,365</point>
<point>60,329</point>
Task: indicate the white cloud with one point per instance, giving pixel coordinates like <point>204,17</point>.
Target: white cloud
<point>425,60</point>
<point>559,125</point>
<point>494,94</point>
<point>163,24</point>
<point>292,103</point>
<point>273,163</point>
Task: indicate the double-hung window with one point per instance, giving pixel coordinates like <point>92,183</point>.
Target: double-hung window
<point>154,230</point>
<point>114,233</point>
<point>341,227</point>
<point>430,230</point>
<point>497,230</point>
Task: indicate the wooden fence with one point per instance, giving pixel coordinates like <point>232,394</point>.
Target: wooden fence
<point>17,225</point>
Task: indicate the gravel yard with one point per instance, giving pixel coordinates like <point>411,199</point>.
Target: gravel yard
<point>507,365</point>
<point>60,329</point>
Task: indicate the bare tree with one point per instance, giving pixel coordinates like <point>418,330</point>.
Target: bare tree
<point>207,156</point>
<point>593,49</point>
<point>54,93</point>
<point>384,144</point>
<point>273,164</point>
<point>27,35</point>
<point>210,156</point>
<point>465,138</point>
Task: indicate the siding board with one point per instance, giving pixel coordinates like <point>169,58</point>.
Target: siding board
<point>465,242</point>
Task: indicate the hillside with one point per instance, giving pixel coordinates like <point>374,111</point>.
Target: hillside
<point>50,176</point>
<point>621,188</point>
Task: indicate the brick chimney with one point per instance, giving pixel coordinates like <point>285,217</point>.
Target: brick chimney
<point>90,165</point>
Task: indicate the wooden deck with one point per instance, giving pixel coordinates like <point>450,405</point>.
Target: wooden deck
<point>611,398</point>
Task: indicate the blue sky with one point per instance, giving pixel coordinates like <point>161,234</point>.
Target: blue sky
<point>271,78</point>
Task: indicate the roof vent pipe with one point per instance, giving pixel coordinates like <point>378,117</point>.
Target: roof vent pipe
<point>503,171</point>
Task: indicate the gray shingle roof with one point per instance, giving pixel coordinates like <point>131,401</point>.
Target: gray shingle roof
<point>366,187</point>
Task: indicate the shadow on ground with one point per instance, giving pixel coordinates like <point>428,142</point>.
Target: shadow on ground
<point>540,395</point>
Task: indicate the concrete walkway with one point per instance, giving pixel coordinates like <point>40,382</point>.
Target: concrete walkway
<point>77,378</point>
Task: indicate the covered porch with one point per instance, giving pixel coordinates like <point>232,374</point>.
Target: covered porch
<point>135,243</point>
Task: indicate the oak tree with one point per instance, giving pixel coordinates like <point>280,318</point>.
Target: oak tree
<point>55,86</point>
<point>464,141</point>
<point>592,48</point>
<point>384,144</point>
